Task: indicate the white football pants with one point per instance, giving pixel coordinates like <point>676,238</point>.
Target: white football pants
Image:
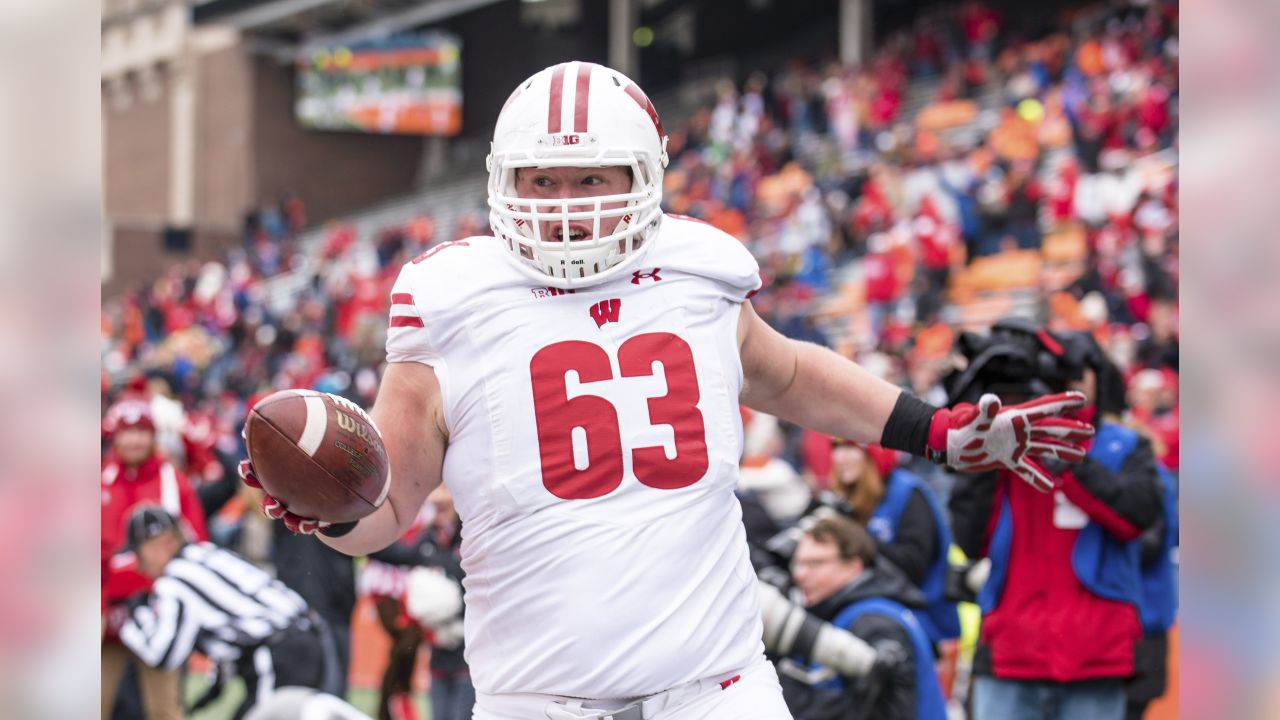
<point>756,695</point>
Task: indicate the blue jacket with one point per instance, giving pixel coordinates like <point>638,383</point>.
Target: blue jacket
<point>939,618</point>
<point>1107,567</point>
<point>1159,604</point>
<point>879,606</point>
<point>930,704</point>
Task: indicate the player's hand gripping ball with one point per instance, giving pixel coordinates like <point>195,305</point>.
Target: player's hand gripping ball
<point>318,458</point>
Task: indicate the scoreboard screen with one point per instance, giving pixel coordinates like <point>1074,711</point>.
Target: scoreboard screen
<point>408,84</point>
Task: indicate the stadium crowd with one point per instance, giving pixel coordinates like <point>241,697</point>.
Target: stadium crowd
<point>1036,175</point>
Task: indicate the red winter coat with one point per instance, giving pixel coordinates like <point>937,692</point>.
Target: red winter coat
<point>1046,625</point>
<point>881,278</point>
<point>156,481</point>
<point>934,236</point>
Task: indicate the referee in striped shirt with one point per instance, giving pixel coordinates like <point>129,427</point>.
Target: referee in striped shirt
<point>210,599</point>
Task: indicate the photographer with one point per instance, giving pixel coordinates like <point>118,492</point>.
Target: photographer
<point>1060,607</point>
<point>855,650</point>
<point>904,519</point>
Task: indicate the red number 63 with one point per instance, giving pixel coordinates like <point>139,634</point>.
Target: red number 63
<point>558,416</point>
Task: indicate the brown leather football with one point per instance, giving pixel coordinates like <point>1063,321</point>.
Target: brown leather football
<point>319,454</point>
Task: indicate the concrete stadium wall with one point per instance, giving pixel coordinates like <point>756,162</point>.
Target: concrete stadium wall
<point>136,129</point>
<point>225,184</point>
<point>333,172</point>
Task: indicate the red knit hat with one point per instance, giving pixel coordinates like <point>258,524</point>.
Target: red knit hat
<point>130,411</point>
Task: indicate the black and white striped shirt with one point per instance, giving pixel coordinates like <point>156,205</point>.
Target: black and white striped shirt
<point>212,599</point>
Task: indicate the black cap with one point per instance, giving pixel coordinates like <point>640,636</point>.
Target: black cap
<point>147,522</point>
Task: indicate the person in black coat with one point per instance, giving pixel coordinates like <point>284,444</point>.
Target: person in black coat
<point>326,579</point>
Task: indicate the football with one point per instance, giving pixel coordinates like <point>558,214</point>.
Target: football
<point>319,454</point>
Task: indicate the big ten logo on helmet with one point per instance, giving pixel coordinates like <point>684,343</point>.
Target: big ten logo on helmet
<point>568,139</point>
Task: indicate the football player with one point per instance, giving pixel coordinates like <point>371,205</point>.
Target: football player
<point>575,381</point>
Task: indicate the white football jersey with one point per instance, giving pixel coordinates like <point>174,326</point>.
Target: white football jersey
<point>594,444</point>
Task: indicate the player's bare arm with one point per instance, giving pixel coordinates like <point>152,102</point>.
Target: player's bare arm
<point>810,385</point>
<point>409,416</point>
<point>816,388</point>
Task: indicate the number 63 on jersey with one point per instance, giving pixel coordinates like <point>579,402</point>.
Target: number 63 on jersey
<point>595,419</point>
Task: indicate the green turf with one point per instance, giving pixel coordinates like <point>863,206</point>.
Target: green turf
<point>364,699</point>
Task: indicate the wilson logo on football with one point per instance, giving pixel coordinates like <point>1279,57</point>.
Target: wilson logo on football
<point>350,425</point>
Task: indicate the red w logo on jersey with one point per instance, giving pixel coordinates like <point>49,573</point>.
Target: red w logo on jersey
<point>606,311</point>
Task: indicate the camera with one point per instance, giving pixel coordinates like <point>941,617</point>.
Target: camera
<point>1020,359</point>
<point>1016,360</point>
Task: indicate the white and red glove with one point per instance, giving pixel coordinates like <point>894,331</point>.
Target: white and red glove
<point>276,510</point>
<point>984,437</point>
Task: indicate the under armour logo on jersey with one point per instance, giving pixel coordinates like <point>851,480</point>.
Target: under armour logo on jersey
<point>606,311</point>
<point>637,276</point>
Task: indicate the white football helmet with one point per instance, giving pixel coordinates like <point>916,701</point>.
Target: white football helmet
<point>577,114</point>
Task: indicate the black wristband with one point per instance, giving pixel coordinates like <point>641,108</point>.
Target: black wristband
<point>908,426</point>
<point>338,529</point>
